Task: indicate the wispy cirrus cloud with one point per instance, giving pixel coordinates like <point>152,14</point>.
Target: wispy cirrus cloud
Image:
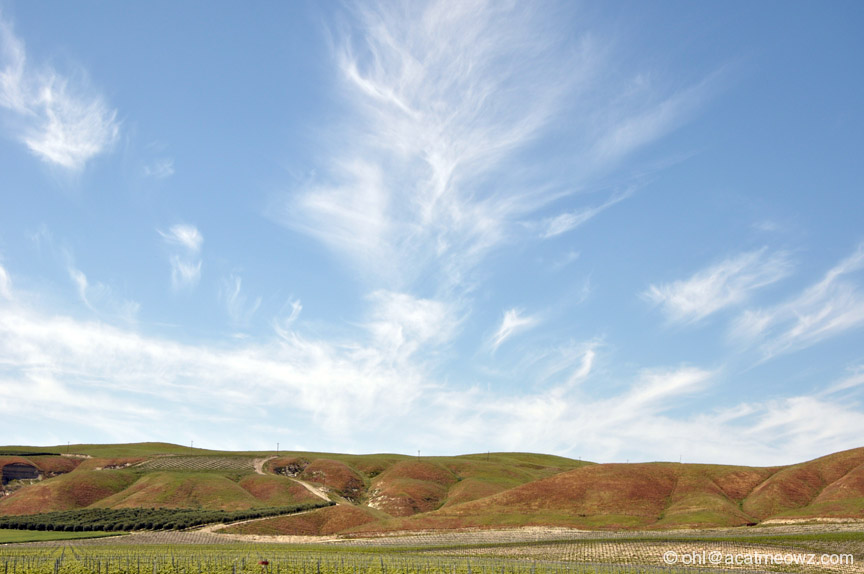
<point>444,98</point>
<point>404,327</point>
<point>642,421</point>
<point>60,121</point>
<point>640,117</point>
<point>854,380</point>
<point>724,284</point>
<point>103,380</point>
<point>562,367</point>
<point>186,242</point>
<point>824,310</point>
<point>572,414</point>
<point>512,323</point>
<point>437,91</point>
<point>100,298</point>
<point>5,284</point>
<point>313,380</point>
<point>240,309</point>
<point>283,323</point>
<point>569,220</point>
<point>161,168</point>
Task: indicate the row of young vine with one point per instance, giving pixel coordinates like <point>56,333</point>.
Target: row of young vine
<point>129,519</point>
<point>270,559</point>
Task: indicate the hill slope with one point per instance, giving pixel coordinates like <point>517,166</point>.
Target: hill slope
<point>387,492</point>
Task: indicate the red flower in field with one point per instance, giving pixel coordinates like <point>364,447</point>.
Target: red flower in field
<point>264,562</point>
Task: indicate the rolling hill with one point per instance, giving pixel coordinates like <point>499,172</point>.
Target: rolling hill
<point>388,492</point>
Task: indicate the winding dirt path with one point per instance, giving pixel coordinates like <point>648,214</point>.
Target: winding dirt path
<point>260,462</point>
<point>320,493</point>
<point>313,489</point>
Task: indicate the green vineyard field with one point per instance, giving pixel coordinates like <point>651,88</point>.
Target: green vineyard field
<point>279,559</point>
<point>199,463</point>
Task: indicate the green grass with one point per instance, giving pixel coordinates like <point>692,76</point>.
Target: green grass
<point>21,536</point>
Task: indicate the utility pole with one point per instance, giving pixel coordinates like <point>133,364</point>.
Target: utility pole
<point>277,449</point>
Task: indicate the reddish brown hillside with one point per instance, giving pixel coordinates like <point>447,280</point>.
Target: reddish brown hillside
<point>180,490</point>
<point>470,489</point>
<point>374,465</point>
<point>277,490</point>
<point>66,492</point>
<point>843,498</point>
<point>480,490</point>
<point>617,496</point>
<point>631,489</point>
<point>479,478</point>
<point>54,465</point>
<point>710,495</point>
<point>797,486</point>
<point>849,486</point>
<point>336,476</point>
<point>410,487</point>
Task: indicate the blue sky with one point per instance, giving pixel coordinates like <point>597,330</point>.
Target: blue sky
<point>608,230</point>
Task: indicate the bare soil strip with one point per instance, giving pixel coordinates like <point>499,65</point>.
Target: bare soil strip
<point>313,489</point>
<point>260,462</point>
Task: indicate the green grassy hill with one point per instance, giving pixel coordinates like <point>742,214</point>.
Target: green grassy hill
<point>387,492</point>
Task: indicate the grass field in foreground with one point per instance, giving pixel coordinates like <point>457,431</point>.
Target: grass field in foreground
<point>19,536</point>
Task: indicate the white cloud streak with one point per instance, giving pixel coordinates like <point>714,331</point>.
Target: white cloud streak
<point>632,128</point>
<point>186,242</point>
<point>438,107</point>
<point>282,325</point>
<point>336,386</point>
<point>512,323</point>
<point>184,235</point>
<point>239,309</point>
<point>161,168</point>
<point>402,325</point>
<point>60,122</point>
<point>719,286</point>
<point>5,284</point>
<point>853,381</point>
<point>426,179</point>
<point>643,422</point>
<point>569,220</point>
<point>824,310</point>
<point>98,297</point>
<point>96,378</point>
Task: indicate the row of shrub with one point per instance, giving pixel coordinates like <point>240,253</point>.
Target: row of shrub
<point>128,519</point>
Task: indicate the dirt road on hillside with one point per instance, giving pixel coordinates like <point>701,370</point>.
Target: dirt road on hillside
<point>260,462</point>
<point>313,489</point>
<point>320,493</point>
